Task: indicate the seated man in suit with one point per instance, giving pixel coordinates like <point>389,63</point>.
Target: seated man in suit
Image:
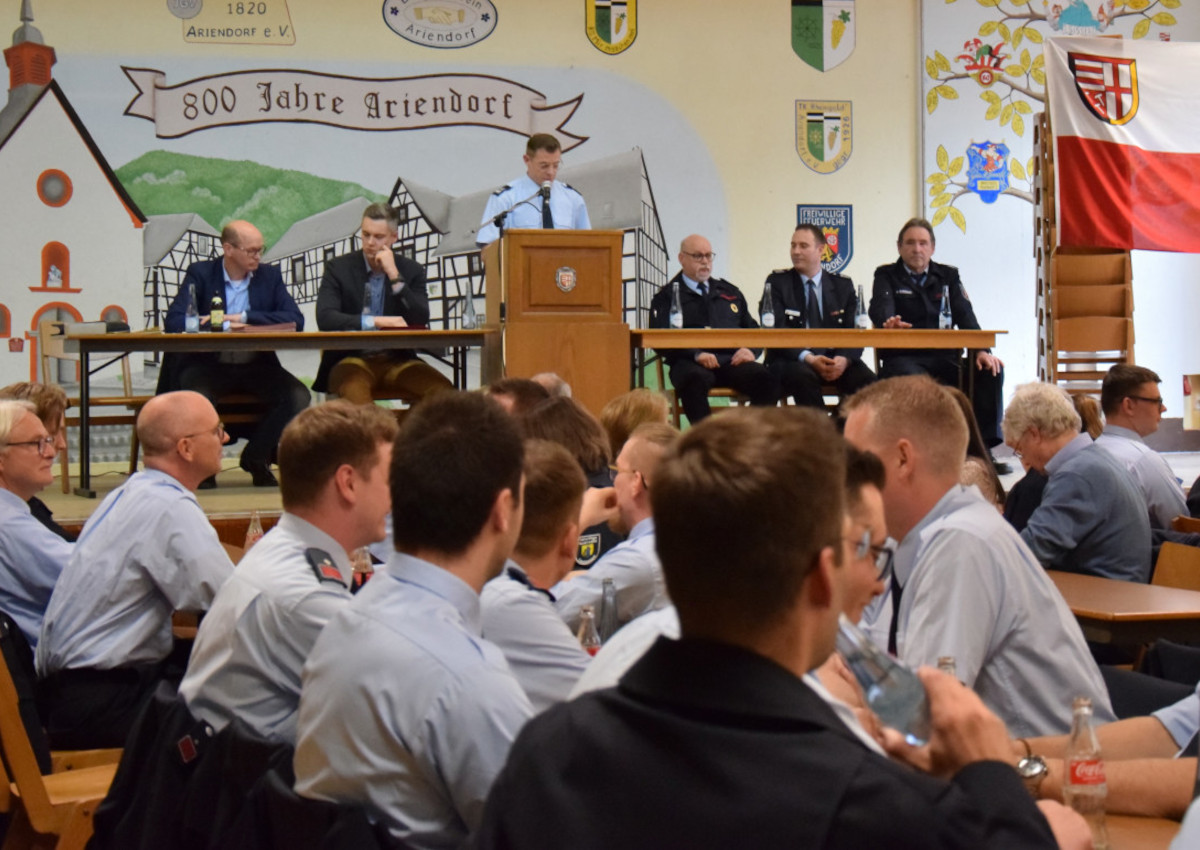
<point>807,296</point>
<point>708,302</point>
<point>720,729</point>
<point>908,294</point>
<point>253,294</point>
<point>375,288</point>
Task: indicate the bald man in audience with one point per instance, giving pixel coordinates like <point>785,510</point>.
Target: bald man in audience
<point>1092,518</point>
<point>634,565</point>
<point>964,584</point>
<point>333,467</point>
<point>146,552</point>
<point>31,556</point>
<point>517,606</point>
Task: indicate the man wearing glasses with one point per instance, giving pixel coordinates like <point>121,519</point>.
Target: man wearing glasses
<point>963,583</point>
<point>146,552</point>
<point>1132,403</point>
<point>537,199</point>
<point>31,555</point>
<point>708,302</point>
<point>253,294</point>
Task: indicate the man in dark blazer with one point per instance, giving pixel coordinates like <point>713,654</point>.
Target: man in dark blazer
<point>252,294</point>
<point>908,294</point>
<point>708,302</point>
<point>724,728</point>
<point>807,296</point>
<point>375,288</point>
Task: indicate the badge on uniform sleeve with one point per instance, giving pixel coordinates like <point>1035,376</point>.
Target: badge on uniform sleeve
<point>323,566</point>
<point>733,307</point>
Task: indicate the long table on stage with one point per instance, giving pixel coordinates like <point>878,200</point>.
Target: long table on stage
<point>715,338</point>
<point>1126,612</point>
<point>126,343</point>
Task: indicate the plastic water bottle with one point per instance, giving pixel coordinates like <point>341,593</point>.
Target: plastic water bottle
<point>861,319</point>
<point>589,637</point>
<point>676,316</point>
<point>945,317</point>
<point>766,310</point>
<point>1085,788</point>
<point>608,609</point>
<point>892,691</point>
<point>191,319</point>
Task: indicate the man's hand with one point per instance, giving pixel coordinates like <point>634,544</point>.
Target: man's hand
<point>1070,830</point>
<point>987,360</point>
<point>836,369</point>
<point>707,359</point>
<point>839,681</point>
<point>385,261</point>
<point>599,505</point>
<point>963,729</point>
<point>392,322</point>
<point>233,326</point>
<point>896,322</point>
<point>742,355</point>
<point>826,367</point>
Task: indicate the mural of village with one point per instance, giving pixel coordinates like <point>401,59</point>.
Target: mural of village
<point>87,249</point>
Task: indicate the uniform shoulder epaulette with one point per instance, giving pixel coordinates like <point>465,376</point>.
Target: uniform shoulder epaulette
<point>323,566</point>
<point>780,271</point>
<point>501,190</point>
<point>572,188</point>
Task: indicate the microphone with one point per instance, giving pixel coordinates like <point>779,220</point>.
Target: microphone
<point>546,191</point>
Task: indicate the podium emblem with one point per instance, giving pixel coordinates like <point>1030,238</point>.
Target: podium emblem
<point>565,278</point>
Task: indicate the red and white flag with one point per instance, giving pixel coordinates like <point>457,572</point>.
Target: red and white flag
<point>1126,122</point>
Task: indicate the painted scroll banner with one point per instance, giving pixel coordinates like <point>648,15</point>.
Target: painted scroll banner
<point>354,103</point>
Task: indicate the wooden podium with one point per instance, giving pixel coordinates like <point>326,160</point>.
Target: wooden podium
<point>556,297</point>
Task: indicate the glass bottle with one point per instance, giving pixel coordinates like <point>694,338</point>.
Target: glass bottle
<point>945,317</point>
<point>254,531</point>
<point>191,319</point>
<point>861,319</point>
<point>891,690</point>
<point>1084,786</point>
<point>589,637</point>
<point>676,307</point>
<point>216,314</point>
<point>608,609</point>
<point>947,664</point>
<point>362,567</point>
<point>766,310</point>
<point>470,320</point>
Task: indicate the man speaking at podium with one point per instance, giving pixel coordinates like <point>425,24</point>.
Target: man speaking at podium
<point>537,199</point>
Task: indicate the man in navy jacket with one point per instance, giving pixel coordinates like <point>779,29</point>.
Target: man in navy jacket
<point>253,294</point>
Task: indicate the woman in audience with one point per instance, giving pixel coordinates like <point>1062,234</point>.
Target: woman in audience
<point>629,410</point>
<point>976,449</point>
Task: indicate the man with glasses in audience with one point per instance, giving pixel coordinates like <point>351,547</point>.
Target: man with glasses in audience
<point>146,552</point>
<point>1133,406</point>
<point>708,302</point>
<point>253,294</point>
<point>31,556</point>
<point>963,583</point>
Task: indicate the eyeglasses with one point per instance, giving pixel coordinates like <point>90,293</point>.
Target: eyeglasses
<point>616,470</point>
<point>42,443</point>
<point>252,252</point>
<point>699,258</point>
<point>1156,401</point>
<point>217,432</point>
<point>883,554</point>
<point>1017,453</point>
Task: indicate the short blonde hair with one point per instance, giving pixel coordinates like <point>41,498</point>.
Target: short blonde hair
<point>918,409</point>
<point>1047,407</point>
<point>625,412</point>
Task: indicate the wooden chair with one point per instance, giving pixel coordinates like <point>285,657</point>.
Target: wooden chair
<point>54,810</point>
<point>1084,349</point>
<point>1178,565</point>
<point>676,406</point>
<point>52,348</point>
<point>1186,524</point>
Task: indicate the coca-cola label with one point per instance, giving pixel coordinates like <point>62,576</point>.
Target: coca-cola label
<point>1086,772</point>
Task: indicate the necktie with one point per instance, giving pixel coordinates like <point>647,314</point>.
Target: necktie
<point>897,591</point>
<point>918,280</point>
<point>703,287</point>
<point>547,219</point>
<point>812,307</point>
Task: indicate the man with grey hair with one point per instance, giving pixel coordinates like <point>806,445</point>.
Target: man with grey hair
<point>375,289</point>
<point>31,555</point>
<point>963,583</point>
<point>146,552</point>
<point>1092,518</point>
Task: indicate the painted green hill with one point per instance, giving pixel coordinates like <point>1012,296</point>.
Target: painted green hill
<point>221,190</point>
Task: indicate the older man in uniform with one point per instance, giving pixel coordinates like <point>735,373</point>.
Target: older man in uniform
<point>537,199</point>
<point>708,302</point>
<point>333,465</point>
<point>146,552</point>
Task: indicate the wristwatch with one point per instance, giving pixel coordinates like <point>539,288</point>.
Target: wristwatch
<point>1032,770</point>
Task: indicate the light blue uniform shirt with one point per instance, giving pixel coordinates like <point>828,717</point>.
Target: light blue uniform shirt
<point>256,637</point>
<point>146,552</point>
<point>1162,492</point>
<point>544,655</point>
<point>405,709</point>
<point>31,559</point>
<point>637,577</point>
<point>973,590</point>
<point>1182,719</point>
<point>567,207</point>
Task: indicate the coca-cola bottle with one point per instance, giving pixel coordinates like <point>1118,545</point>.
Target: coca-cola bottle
<point>254,531</point>
<point>1084,785</point>
<point>589,636</point>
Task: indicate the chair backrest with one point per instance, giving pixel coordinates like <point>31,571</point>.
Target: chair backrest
<point>52,347</point>
<point>1185,524</point>
<point>20,759</point>
<point>1178,565</point>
